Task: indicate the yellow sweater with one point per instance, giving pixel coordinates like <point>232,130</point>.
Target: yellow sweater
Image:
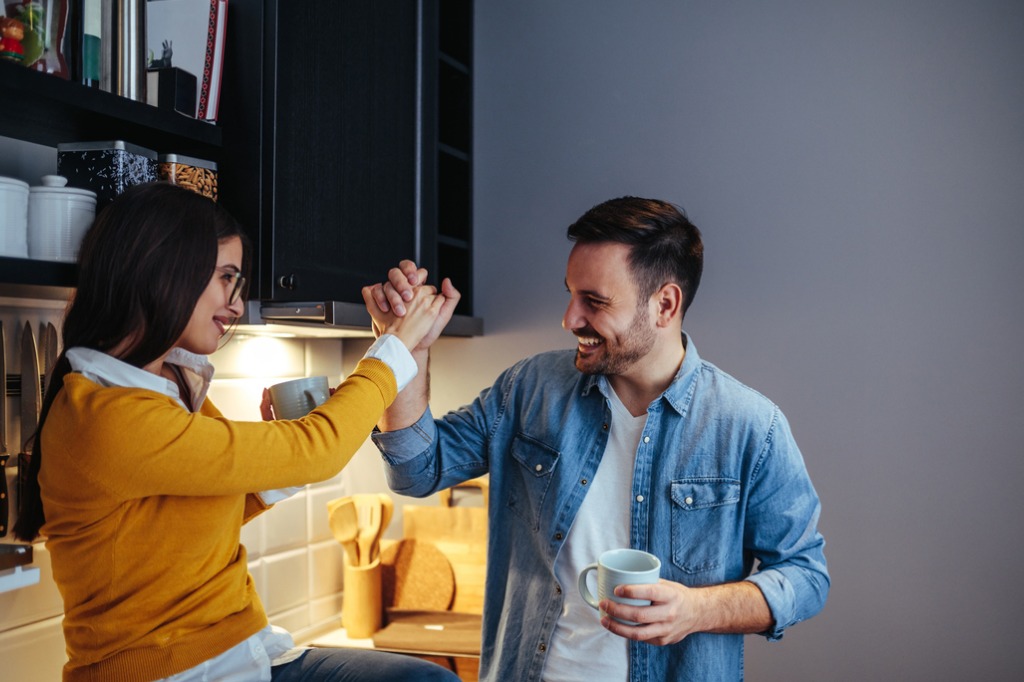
<point>144,504</point>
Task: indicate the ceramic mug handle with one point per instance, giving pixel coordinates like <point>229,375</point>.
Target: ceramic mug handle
<point>584,589</point>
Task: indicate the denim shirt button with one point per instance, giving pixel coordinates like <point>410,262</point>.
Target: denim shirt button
<point>542,647</point>
<point>539,467</point>
<point>639,498</point>
<point>583,481</point>
<point>688,500</point>
<point>604,427</point>
<point>558,536</point>
<point>647,439</point>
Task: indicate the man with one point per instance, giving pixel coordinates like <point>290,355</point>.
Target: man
<point>631,440</point>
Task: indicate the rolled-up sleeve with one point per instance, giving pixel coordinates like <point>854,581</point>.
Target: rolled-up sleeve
<point>783,533</point>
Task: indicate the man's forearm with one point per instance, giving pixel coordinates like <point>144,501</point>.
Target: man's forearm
<point>411,402</point>
<point>732,608</point>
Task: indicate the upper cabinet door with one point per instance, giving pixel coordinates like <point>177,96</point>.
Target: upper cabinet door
<point>326,120</point>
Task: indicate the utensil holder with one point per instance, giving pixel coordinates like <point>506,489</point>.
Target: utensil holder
<point>361,609</point>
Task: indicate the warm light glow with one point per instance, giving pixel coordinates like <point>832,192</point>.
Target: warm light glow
<point>260,356</point>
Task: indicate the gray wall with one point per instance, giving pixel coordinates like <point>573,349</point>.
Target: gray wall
<point>857,169</point>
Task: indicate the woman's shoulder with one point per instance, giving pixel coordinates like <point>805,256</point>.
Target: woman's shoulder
<point>84,397</point>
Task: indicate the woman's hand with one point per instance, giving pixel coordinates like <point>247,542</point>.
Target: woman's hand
<point>267,407</point>
<point>422,312</point>
<point>389,303</point>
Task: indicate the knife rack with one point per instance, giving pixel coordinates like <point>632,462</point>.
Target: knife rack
<point>14,385</point>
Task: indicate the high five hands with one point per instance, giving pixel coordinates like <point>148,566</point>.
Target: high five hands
<point>409,308</point>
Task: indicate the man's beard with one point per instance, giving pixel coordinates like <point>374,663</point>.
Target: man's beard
<point>635,344</point>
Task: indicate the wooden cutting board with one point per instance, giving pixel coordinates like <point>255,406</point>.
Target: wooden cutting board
<point>415,574</point>
<point>460,533</point>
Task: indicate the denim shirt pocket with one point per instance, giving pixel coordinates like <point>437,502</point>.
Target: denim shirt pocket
<point>703,511</point>
<point>528,483</point>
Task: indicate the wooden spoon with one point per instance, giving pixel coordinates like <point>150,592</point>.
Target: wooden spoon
<point>345,526</point>
<point>368,513</point>
<point>387,510</point>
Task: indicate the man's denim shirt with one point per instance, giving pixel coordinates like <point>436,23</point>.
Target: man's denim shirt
<point>718,483</point>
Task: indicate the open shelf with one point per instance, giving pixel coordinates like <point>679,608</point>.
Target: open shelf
<point>48,110</point>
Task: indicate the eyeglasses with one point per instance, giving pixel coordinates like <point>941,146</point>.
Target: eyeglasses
<point>238,288</point>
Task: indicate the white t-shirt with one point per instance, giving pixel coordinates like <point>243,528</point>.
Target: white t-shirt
<point>581,649</point>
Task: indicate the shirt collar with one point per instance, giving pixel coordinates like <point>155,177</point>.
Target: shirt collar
<point>107,370</point>
<point>678,392</point>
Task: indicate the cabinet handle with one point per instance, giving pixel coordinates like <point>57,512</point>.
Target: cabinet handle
<point>289,282</point>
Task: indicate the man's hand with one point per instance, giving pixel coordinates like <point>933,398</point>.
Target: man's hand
<point>392,295</point>
<point>677,611</point>
<point>388,302</point>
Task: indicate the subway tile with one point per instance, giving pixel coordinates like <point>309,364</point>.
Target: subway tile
<point>287,580</point>
<point>319,496</point>
<point>286,524</point>
<point>257,570</point>
<point>33,652</point>
<point>326,574</point>
<point>35,602</point>
<point>294,620</point>
<point>325,612</point>
<point>253,536</point>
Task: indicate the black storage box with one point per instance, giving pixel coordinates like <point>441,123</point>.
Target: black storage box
<point>172,88</point>
<point>107,168</point>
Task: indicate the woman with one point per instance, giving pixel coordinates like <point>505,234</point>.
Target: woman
<point>141,486</point>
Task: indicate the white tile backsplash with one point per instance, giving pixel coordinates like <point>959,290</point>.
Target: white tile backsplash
<point>325,612</point>
<point>319,496</point>
<point>33,603</point>
<point>253,537</point>
<point>325,569</point>
<point>295,621</point>
<point>33,653</point>
<point>287,576</point>
<point>286,524</point>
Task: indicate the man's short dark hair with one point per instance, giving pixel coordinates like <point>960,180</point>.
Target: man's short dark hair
<point>664,246</point>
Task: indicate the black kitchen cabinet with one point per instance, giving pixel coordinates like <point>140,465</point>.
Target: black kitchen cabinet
<point>343,144</point>
<point>347,142</point>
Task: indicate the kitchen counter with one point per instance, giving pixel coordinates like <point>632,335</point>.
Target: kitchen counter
<point>15,569</point>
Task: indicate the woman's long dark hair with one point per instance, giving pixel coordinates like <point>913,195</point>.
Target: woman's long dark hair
<point>142,266</point>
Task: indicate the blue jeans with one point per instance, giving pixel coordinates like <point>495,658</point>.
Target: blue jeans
<point>354,665</point>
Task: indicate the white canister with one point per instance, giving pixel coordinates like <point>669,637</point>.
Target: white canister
<point>13,218</point>
<point>58,218</point>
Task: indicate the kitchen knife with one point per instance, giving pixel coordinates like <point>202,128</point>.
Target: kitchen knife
<point>30,389</point>
<point>48,352</point>
<point>5,501</point>
<point>3,389</point>
<point>30,402</point>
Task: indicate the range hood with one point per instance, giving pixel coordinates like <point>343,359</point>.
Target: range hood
<point>331,319</point>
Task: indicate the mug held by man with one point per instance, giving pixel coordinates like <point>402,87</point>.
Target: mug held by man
<point>620,567</point>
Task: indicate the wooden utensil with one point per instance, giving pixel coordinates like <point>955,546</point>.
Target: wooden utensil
<point>368,511</point>
<point>387,510</point>
<point>345,526</point>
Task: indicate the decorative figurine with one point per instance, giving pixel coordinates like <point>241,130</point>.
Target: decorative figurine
<point>12,32</point>
<point>165,61</point>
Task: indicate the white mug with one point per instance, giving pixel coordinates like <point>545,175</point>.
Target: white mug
<point>620,567</point>
<point>294,399</point>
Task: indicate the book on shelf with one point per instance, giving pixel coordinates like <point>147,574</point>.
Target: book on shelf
<point>189,35</point>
